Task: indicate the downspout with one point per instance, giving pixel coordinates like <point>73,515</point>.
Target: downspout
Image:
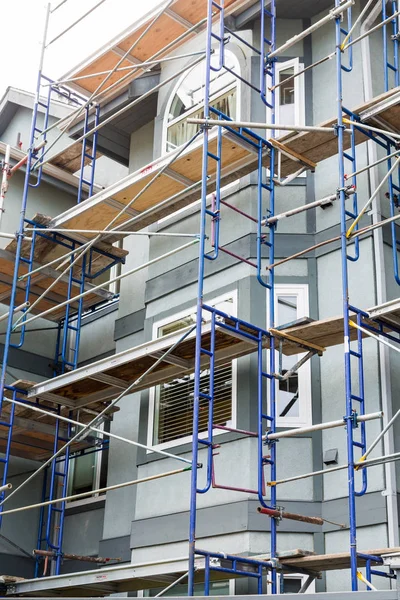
<point>384,361</point>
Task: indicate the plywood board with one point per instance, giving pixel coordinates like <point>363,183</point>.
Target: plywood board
<point>70,159</point>
<point>167,30</point>
<point>332,562</point>
<point>40,284</point>
<point>81,387</point>
<point>237,159</point>
<point>33,433</point>
<point>318,146</point>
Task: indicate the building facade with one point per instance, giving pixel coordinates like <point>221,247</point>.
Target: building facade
<point>148,523</point>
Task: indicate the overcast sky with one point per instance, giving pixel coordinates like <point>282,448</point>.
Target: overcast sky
<point>22,32</point>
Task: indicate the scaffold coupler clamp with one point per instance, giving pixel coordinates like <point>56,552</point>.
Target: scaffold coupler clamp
<point>279,518</point>
<point>267,441</point>
<point>352,419</point>
<point>206,126</point>
<point>336,128</point>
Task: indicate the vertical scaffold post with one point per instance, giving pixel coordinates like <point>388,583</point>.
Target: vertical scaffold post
<point>267,74</point>
<point>200,287</point>
<point>390,41</point>
<point>20,232</point>
<point>349,412</point>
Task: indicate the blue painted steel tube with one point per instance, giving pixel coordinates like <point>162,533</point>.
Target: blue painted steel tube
<point>349,414</point>
<point>361,411</point>
<point>387,40</point>
<point>6,460</point>
<point>271,294</point>
<point>195,433</point>
<point>209,442</point>
<point>20,236</point>
<point>40,538</point>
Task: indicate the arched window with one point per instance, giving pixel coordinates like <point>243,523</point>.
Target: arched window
<point>188,99</point>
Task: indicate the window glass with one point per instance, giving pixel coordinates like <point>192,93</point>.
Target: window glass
<point>288,390</point>
<point>88,470</point>
<point>290,109</point>
<point>188,99</point>
<point>173,401</point>
<point>293,393</point>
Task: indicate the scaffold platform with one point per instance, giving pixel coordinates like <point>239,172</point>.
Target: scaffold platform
<point>104,380</point>
<point>143,576</point>
<point>179,23</point>
<point>179,185</point>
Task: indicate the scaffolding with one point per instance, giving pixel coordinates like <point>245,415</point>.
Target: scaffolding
<point>50,267</point>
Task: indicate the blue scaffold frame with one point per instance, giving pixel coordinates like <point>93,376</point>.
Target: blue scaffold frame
<point>51,525</point>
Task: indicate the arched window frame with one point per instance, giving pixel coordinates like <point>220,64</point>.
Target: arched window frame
<point>235,84</point>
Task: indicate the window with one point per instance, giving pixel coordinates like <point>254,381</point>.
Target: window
<point>290,109</point>
<point>293,395</point>
<point>188,99</point>
<point>88,471</point>
<point>171,403</point>
<point>292,583</point>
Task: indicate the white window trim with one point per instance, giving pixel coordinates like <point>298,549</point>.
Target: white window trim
<point>303,310</point>
<point>96,478</point>
<point>301,576</point>
<point>166,123</point>
<point>299,91</point>
<point>152,393</point>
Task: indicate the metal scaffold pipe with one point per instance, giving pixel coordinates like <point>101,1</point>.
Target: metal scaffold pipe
<point>372,30</point>
<point>15,310</point>
<point>112,280</point>
<point>115,232</point>
<point>57,37</point>
<point>380,436</point>
<point>371,462</point>
<point>320,427</point>
<point>387,132</point>
<point>130,389</point>
<point>280,514</point>
<point>4,488</point>
<point>72,118</point>
<point>267,126</point>
<point>120,112</point>
<point>101,432</point>
<point>375,337</point>
<point>108,488</point>
<point>333,14</point>
<point>4,181</point>
<point>300,209</point>
<point>148,63</point>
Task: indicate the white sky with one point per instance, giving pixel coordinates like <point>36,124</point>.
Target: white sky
<point>22,33</point>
